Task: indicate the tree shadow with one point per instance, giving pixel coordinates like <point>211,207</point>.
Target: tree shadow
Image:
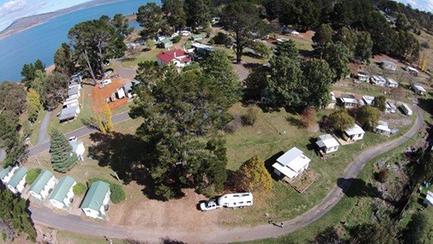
<point>354,187</point>
<point>426,104</point>
<point>269,162</point>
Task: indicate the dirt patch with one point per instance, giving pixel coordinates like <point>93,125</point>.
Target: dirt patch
<point>100,95</point>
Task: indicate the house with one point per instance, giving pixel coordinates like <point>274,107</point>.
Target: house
<point>327,144</point>
<point>390,107</point>
<point>405,109</point>
<point>348,101</point>
<point>391,83</point>
<point>354,133</point>
<point>177,57</point>
<point>235,200</point>
<point>198,37</point>
<point>362,76</point>
<point>43,185</point>
<point>69,113</point>
<point>378,80</point>
<point>412,71</point>
<point>367,100</point>
<point>95,203</point>
<point>418,89</point>
<point>382,128</point>
<point>63,194</point>
<point>77,148</point>
<point>18,180</point>
<point>291,164</point>
<point>332,102</point>
<point>429,198</point>
<point>7,173</point>
<point>71,103</point>
<point>388,65</point>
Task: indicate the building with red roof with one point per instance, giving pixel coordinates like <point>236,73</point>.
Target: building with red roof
<point>177,57</point>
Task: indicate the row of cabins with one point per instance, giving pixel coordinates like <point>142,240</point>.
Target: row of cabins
<point>391,66</point>
<point>59,193</point>
<point>71,106</point>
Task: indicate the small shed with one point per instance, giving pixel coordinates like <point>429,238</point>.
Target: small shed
<point>165,43</point>
<point>405,109</point>
<point>418,89</point>
<point>43,185</point>
<point>78,148</point>
<point>63,194</point>
<point>378,80</point>
<point>391,83</point>
<point>412,71</point>
<point>198,37</point>
<point>327,144</point>
<point>18,180</point>
<point>390,107</point>
<point>354,133</point>
<point>291,164</point>
<point>95,203</point>
<point>348,101</point>
<point>367,100</point>
<point>383,128</point>
<point>388,65</point>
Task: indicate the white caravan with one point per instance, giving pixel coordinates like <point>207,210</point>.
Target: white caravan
<point>236,200</point>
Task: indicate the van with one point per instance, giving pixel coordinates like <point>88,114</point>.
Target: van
<point>236,200</point>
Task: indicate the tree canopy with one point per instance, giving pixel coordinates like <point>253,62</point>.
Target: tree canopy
<point>340,120</point>
<point>253,176</point>
<point>368,117</point>
<point>63,158</point>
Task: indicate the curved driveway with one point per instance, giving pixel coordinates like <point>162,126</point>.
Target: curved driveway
<point>45,217</point>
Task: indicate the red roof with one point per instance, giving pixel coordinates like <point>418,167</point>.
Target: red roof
<point>167,56</point>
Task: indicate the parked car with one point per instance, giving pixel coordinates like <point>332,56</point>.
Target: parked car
<point>209,205</point>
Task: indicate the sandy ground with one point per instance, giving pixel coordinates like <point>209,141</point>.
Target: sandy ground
<point>100,95</point>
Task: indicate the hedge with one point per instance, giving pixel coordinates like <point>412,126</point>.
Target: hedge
<point>117,193</point>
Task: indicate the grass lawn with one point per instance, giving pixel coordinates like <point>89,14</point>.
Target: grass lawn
<point>271,134</point>
<point>141,57</point>
<point>350,211</point>
<point>86,112</point>
<point>36,127</point>
<point>74,238</point>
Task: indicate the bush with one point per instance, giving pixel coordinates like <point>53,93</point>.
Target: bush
<point>381,176</point>
<point>79,189</point>
<point>176,39</point>
<point>222,39</point>
<point>380,103</point>
<point>250,117</point>
<point>31,176</point>
<point>368,117</point>
<point>308,117</point>
<point>117,193</point>
<point>339,120</point>
<point>233,125</point>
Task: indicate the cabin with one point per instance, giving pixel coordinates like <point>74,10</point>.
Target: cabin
<point>418,89</point>
<point>367,100</point>
<point>382,128</point>
<point>74,91</point>
<point>388,65</point>
<point>7,173</point>
<point>63,194</point>
<point>355,133</point>
<point>176,57</point>
<point>429,199</point>
<point>77,148</point>
<point>412,71</point>
<point>348,101</point>
<point>332,102</point>
<point>378,80</point>
<point>362,76</point>
<point>201,49</point>
<point>165,43</point>
<point>95,203</point>
<point>327,144</point>
<point>390,107</point>
<point>391,83</point>
<point>236,200</point>
<point>69,113</point>
<point>198,37</point>
<point>291,164</point>
<point>405,109</point>
<point>43,185</point>
<point>18,181</point>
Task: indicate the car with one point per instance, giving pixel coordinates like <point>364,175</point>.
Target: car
<point>209,205</point>
<point>72,138</point>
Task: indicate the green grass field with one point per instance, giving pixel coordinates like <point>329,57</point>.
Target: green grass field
<point>141,57</point>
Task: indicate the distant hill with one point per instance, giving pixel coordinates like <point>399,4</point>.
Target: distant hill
<point>31,21</point>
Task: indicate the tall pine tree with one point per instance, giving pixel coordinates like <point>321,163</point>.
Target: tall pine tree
<point>62,157</point>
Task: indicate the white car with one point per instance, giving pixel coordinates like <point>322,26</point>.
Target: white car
<point>209,205</point>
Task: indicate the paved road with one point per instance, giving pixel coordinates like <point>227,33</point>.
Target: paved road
<point>83,131</point>
<point>43,129</point>
<point>45,217</point>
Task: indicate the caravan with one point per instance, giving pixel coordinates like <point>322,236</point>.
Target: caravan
<point>236,200</point>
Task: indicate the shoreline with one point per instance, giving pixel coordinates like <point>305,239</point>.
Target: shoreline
<point>29,22</point>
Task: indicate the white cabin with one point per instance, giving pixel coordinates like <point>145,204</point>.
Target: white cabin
<point>43,185</point>
<point>348,101</point>
<point>7,173</point>
<point>327,144</point>
<point>391,83</point>
<point>236,200</point>
<point>406,110</point>
<point>383,128</point>
<point>291,164</point>
<point>418,89</point>
<point>355,133</point>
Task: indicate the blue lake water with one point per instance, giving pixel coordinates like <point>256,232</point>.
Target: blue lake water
<point>43,40</point>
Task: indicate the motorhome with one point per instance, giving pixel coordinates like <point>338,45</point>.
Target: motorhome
<point>236,200</point>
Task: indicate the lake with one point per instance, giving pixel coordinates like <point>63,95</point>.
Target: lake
<point>43,40</point>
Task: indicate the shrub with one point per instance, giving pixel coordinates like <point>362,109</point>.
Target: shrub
<point>176,39</point>
<point>368,117</point>
<point>250,117</point>
<point>31,176</point>
<point>381,176</point>
<point>308,117</point>
<point>339,121</point>
<point>117,193</point>
<point>380,103</point>
<point>79,189</point>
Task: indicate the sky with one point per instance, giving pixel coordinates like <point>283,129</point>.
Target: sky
<point>11,10</point>
<point>426,5</point>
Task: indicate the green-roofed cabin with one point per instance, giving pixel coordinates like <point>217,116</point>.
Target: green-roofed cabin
<point>7,173</point>
<point>198,37</point>
<point>18,181</point>
<point>95,203</point>
<point>165,43</point>
<point>43,185</point>
<point>63,194</point>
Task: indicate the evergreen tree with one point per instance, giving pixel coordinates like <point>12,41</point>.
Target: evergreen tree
<point>337,55</point>
<point>253,176</point>
<point>150,17</point>
<point>62,157</point>
<point>63,60</point>
<point>323,35</point>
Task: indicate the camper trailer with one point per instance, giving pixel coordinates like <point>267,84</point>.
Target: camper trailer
<point>236,200</point>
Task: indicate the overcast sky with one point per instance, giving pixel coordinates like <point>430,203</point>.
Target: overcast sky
<point>426,5</point>
<point>11,10</point>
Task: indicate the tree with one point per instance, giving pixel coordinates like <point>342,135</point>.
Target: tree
<point>348,37</point>
<point>368,117</point>
<point>261,49</point>
<point>253,176</point>
<point>380,103</point>
<point>340,120</point>
<point>364,46</point>
<point>401,22</point>
<point>222,38</point>
<point>14,98</point>
<point>337,55</point>
<point>34,105</point>
<point>63,158</point>
<point>175,13</point>
<point>10,139</point>
<point>419,229</point>
<point>53,90</point>
<point>406,46</point>
<point>328,236</point>
<point>104,121</point>
<point>242,18</point>
<point>323,35</point>
<point>304,14</point>
<point>121,24</point>
<point>15,214</point>
<point>318,79</point>
<point>150,17</point>
<point>29,70</point>
<point>287,49</point>
<point>308,117</point>
<point>64,60</point>
<point>197,13</point>
<point>250,117</point>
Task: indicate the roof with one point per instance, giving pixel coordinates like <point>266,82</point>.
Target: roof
<point>95,195</point>
<point>286,171</point>
<point>355,130</point>
<point>327,141</point>
<point>17,177</point>
<point>202,46</point>
<point>73,90</point>
<point>77,146</point>
<point>294,159</point>
<point>429,197</point>
<point>41,181</point>
<point>348,100</point>
<point>388,62</point>
<point>198,36</point>
<point>418,87</point>
<point>62,188</point>
<point>68,113</point>
<point>167,56</point>
<point>391,81</point>
<point>383,126</point>
<point>5,172</point>
<point>368,99</point>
